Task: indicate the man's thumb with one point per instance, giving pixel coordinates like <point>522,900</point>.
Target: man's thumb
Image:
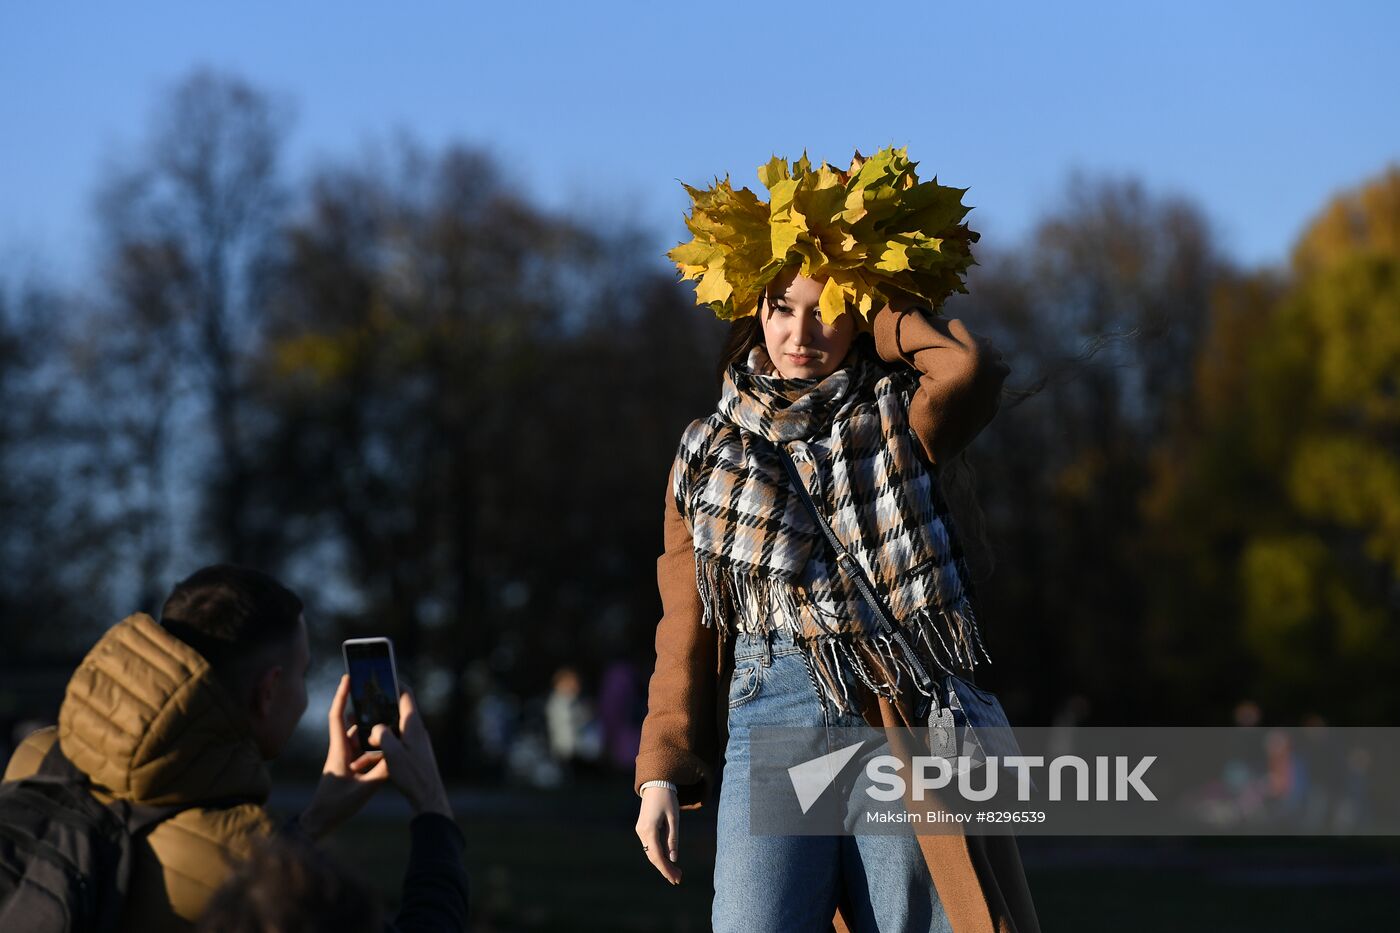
<point>381,735</point>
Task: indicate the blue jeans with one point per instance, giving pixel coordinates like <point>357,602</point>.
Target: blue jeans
<point>793,883</point>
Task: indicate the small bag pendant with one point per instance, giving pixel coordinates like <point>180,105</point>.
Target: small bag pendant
<point>942,734</point>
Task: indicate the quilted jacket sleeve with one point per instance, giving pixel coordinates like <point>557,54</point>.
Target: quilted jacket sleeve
<point>680,735</point>
<point>960,375</point>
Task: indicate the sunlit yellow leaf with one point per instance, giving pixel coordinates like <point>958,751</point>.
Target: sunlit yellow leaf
<point>894,259</point>
<point>773,171</point>
<point>713,286</point>
<point>832,301</point>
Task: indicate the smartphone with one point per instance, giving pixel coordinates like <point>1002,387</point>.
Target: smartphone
<point>374,685</point>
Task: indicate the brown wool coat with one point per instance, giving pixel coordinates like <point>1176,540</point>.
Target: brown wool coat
<point>145,719</point>
<point>979,878</point>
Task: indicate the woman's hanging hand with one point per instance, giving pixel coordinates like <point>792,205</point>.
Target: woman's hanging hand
<point>659,829</point>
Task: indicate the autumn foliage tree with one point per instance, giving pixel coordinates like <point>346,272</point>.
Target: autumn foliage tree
<point>1281,507</point>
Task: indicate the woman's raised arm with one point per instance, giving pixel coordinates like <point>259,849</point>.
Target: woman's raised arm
<point>960,375</point>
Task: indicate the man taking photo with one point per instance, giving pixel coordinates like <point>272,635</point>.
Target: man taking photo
<point>185,713</point>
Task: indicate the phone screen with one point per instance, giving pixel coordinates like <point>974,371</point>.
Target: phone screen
<point>374,688</point>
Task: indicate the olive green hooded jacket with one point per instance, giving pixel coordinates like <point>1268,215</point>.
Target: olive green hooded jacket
<point>145,719</point>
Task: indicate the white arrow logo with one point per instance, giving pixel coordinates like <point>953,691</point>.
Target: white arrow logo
<point>810,778</point>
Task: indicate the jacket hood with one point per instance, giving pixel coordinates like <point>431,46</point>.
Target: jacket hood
<point>145,718</point>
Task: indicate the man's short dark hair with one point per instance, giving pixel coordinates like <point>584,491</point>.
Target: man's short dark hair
<point>228,613</point>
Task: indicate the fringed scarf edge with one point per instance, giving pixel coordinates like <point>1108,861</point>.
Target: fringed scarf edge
<point>945,638</point>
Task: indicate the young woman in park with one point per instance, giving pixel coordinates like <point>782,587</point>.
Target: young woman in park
<point>837,354</point>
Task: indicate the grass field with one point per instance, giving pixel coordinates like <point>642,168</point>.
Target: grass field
<point>569,860</point>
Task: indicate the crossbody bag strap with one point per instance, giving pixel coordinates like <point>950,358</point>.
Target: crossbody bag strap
<point>847,563</point>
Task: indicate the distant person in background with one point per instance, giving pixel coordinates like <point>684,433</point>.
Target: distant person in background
<point>186,713</point>
<point>621,709</point>
<point>1247,714</point>
<point>1354,808</point>
<point>1242,774</point>
<point>1324,763</point>
<point>569,720</point>
<point>496,717</point>
<point>1286,778</point>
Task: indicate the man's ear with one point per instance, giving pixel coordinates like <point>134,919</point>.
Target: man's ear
<point>265,691</point>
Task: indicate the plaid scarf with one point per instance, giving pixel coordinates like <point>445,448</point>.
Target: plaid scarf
<point>762,562</point>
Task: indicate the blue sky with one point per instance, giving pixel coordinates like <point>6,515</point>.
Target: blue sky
<point>1259,111</point>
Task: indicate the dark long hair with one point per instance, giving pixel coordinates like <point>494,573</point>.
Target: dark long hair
<point>956,478</point>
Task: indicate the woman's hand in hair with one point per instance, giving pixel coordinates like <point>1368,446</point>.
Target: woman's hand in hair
<point>960,374</point>
<point>659,829</point>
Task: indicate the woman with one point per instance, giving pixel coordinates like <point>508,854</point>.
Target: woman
<point>760,626</point>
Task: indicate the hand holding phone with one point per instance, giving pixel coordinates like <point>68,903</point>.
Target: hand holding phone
<point>374,686</point>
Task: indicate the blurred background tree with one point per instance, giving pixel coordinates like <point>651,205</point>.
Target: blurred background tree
<point>445,413</point>
<point>48,548</point>
<point>1099,315</point>
<point>1278,507</point>
<point>187,227</point>
<point>462,393</point>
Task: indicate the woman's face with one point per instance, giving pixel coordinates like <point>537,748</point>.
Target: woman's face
<point>799,344</point>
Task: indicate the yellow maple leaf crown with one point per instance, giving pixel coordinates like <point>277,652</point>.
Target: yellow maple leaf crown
<point>869,231</point>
